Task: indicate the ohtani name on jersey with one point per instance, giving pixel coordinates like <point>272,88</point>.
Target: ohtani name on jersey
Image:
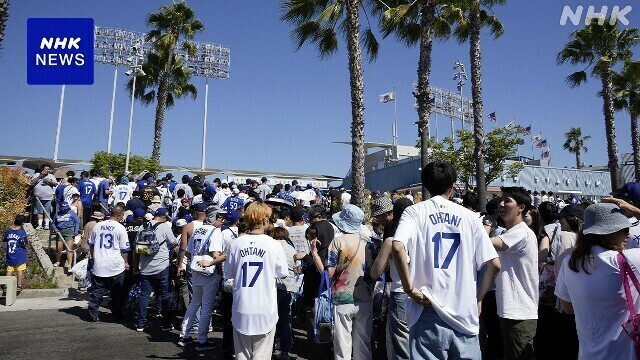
<point>252,251</point>
<point>445,218</point>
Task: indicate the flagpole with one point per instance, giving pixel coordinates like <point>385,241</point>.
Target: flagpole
<point>437,138</point>
<point>395,124</point>
<point>533,156</point>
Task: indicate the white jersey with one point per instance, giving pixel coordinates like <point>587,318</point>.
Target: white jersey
<point>109,240</point>
<point>121,193</point>
<point>633,241</point>
<point>255,262</point>
<point>447,245</point>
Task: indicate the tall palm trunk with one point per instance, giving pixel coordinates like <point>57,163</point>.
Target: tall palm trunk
<point>427,20</point>
<point>356,82</point>
<point>161,106</point>
<point>4,16</point>
<point>578,162</point>
<point>476,92</point>
<point>610,129</point>
<point>635,136</point>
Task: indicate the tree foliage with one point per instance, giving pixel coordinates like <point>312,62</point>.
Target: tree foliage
<point>113,164</point>
<point>13,184</point>
<point>499,144</point>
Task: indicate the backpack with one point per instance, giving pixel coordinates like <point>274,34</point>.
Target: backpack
<point>147,242</point>
<point>323,319</point>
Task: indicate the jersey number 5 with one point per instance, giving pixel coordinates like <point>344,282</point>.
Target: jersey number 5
<point>245,267</point>
<point>436,248</point>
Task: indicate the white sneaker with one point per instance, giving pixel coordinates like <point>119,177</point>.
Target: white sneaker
<point>56,264</point>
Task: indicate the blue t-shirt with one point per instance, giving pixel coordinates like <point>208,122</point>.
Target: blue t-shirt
<point>16,247</point>
<point>233,203</point>
<point>87,190</point>
<point>102,187</point>
<point>171,185</point>
<point>59,193</point>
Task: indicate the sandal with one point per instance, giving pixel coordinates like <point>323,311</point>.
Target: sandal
<point>19,288</point>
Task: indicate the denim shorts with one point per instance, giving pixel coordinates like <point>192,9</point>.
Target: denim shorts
<point>45,208</point>
<point>431,338</point>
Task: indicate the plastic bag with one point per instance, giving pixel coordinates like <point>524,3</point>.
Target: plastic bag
<point>80,269</point>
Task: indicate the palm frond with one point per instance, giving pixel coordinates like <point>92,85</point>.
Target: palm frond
<point>576,79</point>
<point>307,31</point>
<point>370,44</point>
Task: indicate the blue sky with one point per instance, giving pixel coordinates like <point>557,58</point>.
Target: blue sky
<point>281,109</point>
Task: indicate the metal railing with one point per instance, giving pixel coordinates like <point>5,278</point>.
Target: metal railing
<point>73,275</point>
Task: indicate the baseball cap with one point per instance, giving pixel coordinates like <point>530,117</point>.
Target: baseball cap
<point>309,186</point>
<point>232,216</point>
<point>162,212</point>
<point>150,180</point>
<point>571,210</point>
<point>630,190</point>
<point>64,206</point>
<point>200,207</point>
<point>97,215</point>
<point>297,214</point>
<point>124,180</point>
<point>138,213</point>
<point>294,182</point>
<point>316,210</point>
<point>181,223</point>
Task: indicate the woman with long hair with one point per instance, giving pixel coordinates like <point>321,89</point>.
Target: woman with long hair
<point>589,284</point>
<point>397,329</point>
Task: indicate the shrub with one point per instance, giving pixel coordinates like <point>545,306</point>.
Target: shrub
<point>113,164</point>
<point>13,184</point>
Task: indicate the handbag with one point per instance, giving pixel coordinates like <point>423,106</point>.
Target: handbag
<point>208,270</point>
<point>631,326</point>
<point>323,312</point>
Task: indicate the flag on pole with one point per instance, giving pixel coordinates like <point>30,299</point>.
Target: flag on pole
<point>492,117</point>
<point>510,125</point>
<point>388,97</point>
<point>526,131</point>
<point>542,144</point>
<point>537,137</point>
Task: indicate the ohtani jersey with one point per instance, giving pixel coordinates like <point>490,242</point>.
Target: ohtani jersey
<point>255,262</point>
<point>633,241</point>
<point>109,240</point>
<point>447,245</point>
<point>121,193</point>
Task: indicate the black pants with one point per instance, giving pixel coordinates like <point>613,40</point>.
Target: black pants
<point>491,337</point>
<point>99,287</point>
<point>227,327</point>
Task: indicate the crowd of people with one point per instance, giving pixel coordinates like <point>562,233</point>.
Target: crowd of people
<point>532,276</point>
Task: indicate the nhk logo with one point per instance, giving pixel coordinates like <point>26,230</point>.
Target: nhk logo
<point>60,51</point>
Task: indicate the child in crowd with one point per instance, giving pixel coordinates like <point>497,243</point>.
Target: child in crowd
<point>16,239</point>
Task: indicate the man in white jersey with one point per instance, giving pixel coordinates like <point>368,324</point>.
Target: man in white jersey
<point>109,245</point>
<point>447,245</point>
<point>255,261</point>
<point>122,192</point>
<point>630,192</point>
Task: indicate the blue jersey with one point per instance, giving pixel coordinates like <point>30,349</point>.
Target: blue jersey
<point>87,190</point>
<point>103,197</point>
<point>233,203</point>
<point>16,247</point>
<point>171,185</point>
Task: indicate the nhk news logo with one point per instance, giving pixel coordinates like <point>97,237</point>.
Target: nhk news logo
<point>60,51</point>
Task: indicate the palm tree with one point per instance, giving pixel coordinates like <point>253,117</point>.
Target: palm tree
<point>4,15</point>
<point>417,22</point>
<point>169,25</point>
<point>600,47</point>
<point>317,22</point>
<point>626,89</point>
<point>575,143</point>
<point>153,67</point>
<point>470,17</point>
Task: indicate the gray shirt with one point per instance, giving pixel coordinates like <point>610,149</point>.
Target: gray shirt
<point>44,191</point>
<point>264,190</point>
<point>153,264</point>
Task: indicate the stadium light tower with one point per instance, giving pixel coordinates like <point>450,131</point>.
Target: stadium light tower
<point>461,76</point>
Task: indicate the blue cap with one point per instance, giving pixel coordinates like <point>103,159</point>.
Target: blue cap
<point>188,217</point>
<point>249,181</point>
<point>162,212</point>
<point>150,180</point>
<point>630,191</point>
<point>200,207</point>
<point>64,206</point>
<point>294,183</point>
<point>124,180</point>
<point>309,186</point>
<point>298,187</point>
<point>138,213</point>
<point>232,216</point>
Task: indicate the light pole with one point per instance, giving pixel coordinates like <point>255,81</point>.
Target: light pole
<point>113,103</point>
<point>135,71</point>
<point>55,148</point>
<point>461,76</point>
